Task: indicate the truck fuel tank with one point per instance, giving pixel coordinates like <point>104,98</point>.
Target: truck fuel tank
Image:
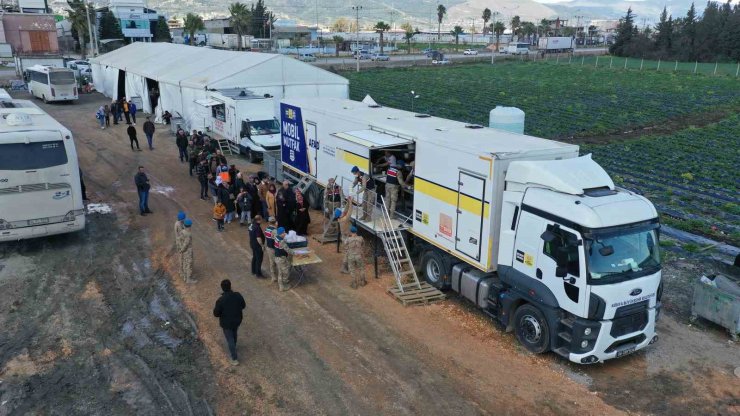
<point>473,283</point>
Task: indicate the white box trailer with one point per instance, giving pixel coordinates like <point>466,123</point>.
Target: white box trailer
<point>533,234</point>
<point>555,44</point>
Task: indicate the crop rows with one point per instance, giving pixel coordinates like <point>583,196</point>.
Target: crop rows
<point>692,176</point>
<point>559,101</point>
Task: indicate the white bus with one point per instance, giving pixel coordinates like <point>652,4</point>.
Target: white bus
<point>40,189</point>
<point>52,84</point>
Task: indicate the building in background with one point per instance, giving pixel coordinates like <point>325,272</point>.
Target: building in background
<point>33,6</point>
<point>136,20</point>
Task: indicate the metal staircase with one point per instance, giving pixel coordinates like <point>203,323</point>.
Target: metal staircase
<point>398,254</point>
<point>304,183</point>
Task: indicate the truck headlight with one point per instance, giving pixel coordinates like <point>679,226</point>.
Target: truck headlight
<point>587,331</point>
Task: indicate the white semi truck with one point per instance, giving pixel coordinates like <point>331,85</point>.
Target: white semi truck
<point>535,235</point>
<point>246,120</point>
<point>556,44</point>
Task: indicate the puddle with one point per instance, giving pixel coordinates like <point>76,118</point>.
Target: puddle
<point>99,209</point>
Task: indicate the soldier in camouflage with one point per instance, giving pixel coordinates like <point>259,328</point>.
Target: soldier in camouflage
<point>179,225</point>
<point>283,255</point>
<point>185,248</point>
<point>355,260</point>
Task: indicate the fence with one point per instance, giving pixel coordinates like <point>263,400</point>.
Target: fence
<point>615,62</point>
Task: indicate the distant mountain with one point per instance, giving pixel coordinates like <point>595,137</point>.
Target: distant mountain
<point>423,14</point>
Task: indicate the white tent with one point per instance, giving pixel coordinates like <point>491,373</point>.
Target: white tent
<point>184,73</point>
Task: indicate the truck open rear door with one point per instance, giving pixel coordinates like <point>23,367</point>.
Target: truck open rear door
<point>470,209</point>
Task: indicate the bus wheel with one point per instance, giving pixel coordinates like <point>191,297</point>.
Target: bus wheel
<point>43,97</point>
<point>531,329</point>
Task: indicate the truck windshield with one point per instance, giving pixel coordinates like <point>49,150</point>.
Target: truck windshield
<point>263,127</point>
<point>615,256</point>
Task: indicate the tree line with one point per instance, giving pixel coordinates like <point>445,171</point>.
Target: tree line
<point>255,20</point>
<point>713,36</point>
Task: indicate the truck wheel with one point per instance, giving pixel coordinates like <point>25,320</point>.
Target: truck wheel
<point>252,156</point>
<point>531,329</point>
<point>435,269</point>
<point>315,198</point>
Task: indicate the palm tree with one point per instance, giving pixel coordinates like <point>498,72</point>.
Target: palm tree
<point>486,18</point>
<point>529,29</point>
<point>240,17</point>
<point>516,23</point>
<point>441,12</point>
<point>498,30</point>
<point>192,24</point>
<point>456,32</point>
<point>78,19</point>
<point>408,35</point>
<point>337,41</point>
<point>381,27</point>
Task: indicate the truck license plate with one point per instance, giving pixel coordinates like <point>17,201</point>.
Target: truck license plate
<point>38,221</point>
<point>625,352</point>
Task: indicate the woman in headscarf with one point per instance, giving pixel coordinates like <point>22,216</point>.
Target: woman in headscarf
<point>302,218</point>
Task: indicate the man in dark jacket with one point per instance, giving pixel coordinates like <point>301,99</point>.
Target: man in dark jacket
<point>142,188</point>
<point>149,132</point>
<point>181,140</point>
<point>228,310</point>
<point>202,172</point>
<point>131,130</point>
<point>114,111</point>
<point>256,242</point>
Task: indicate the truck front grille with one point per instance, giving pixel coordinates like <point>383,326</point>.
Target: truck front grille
<point>629,319</point>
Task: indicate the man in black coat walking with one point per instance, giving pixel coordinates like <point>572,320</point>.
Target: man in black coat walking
<point>149,132</point>
<point>256,242</point>
<point>228,310</point>
<point>181,140</point>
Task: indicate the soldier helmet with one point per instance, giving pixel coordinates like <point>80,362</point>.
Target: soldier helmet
<point>281,231</point>
<point>188,222</point>
<point>355,169</point>
<point>180,216</point>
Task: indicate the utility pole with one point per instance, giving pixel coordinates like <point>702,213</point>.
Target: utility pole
<point>493,51</point>
<point>89,28</point>
<point>357,35</point>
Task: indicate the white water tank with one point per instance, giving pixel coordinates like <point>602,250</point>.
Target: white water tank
<point>507,118</point>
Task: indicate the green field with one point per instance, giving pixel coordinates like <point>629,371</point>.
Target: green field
<point>690,173</point>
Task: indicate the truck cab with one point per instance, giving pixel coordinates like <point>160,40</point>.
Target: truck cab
<point>583,255</point>
<point>258,136</point>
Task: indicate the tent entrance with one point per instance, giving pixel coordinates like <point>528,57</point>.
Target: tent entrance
<point>152,88</point>
<point>121,84</point>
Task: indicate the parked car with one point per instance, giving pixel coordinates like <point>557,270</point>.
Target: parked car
<point>380,57</point>
<point>362,55</point>
<point>307,57</point>
<point>470,52</point>
<point>430,52</point>
<point>443,61</point>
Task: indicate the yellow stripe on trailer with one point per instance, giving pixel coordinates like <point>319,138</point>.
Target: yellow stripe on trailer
<point>356,160</point>
<point>449,196</point>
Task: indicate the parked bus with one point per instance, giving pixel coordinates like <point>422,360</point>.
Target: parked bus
<point>40,189</point>
<point>52,84</point>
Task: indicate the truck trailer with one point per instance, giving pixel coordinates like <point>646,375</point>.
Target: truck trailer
<point>535,235</point>
<point>555,44</point>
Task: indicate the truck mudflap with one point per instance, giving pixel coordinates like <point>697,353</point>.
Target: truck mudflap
<point>607,347</point>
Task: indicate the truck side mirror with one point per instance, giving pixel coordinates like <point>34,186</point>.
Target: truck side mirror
<point>548,236</point>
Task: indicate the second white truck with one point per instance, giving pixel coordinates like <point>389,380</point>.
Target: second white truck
<point>556,44</point>
<point>535,235</point>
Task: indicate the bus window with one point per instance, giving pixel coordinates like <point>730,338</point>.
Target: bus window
<point>62,77</point>
<point>35,155</point>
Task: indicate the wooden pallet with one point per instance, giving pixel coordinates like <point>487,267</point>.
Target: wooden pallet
<point>412,295</point>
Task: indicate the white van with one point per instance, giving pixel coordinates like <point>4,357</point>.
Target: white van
<point>518,49</point>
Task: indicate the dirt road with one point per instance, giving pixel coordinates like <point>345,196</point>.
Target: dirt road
<point>94,324</point>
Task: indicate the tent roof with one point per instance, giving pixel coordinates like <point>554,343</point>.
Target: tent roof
<point>212,68</point>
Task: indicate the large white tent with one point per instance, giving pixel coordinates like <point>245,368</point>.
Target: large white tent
<point>184,74</point>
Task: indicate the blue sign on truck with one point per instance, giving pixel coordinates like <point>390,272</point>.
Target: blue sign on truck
<point>294,148</point>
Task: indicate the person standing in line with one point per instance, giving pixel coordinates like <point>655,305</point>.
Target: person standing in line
<point>256,242</point>
<point>228,310</point>
<point>192,156</point>
<point>332,197</point>
<point>132,111</point>
<point>202,172</point>
<point>142,187</point>
<point>114,111</point>
<point>355,261</point>
<point>131,130</point>
<point>302,216</point>
<point>270,200</point>
<point>269,233</point>
<point>126,110</point>
<point>182,146</point>
<point>282,259</point>
<point>185,248</point>
<point>262,192</point>
<point>119,110</point>
<point>367,188</point>
<point>100,116</point>
<point>106,110</point>
<point>148,131</point>
<point>285,199</point>
<point>213,187</point>
<point>219,212</point>
<point>244,201</point>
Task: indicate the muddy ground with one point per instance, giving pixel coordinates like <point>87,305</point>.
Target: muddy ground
<point>99,322</point>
